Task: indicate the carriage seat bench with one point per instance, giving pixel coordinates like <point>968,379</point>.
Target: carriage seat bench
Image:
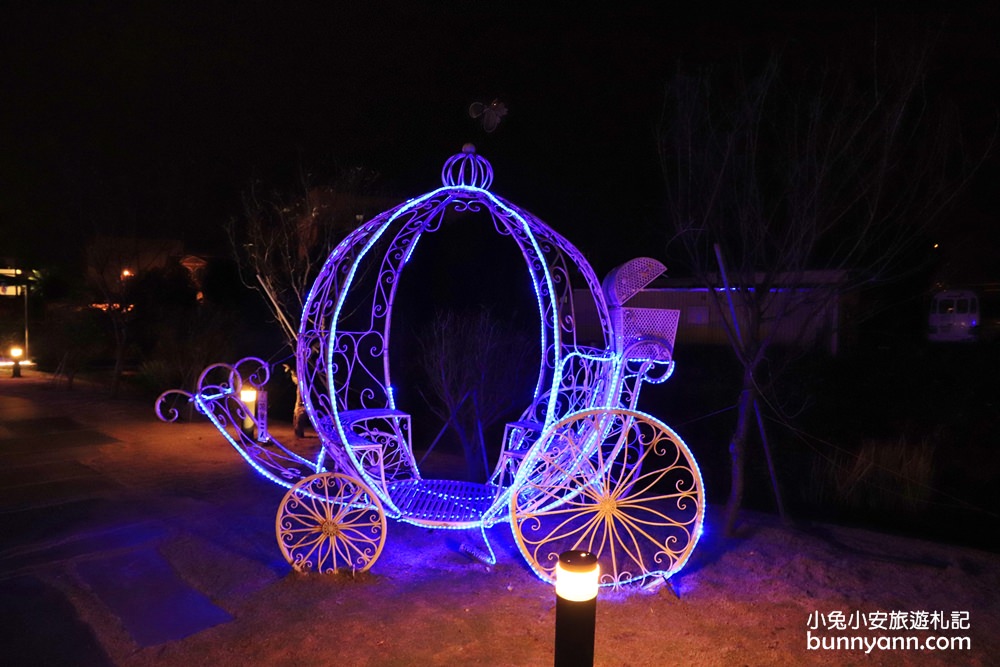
<point>424,501</point>
<point>443,502</point>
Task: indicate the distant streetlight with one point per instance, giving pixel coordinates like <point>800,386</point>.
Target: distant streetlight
<point>16,353</point>
<point>25,284</point>
<point>577,576</point>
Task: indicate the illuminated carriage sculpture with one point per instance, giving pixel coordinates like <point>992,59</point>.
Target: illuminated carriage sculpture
<point>580,468</point>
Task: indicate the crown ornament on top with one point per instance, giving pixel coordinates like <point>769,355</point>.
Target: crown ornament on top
<point>467,169</point>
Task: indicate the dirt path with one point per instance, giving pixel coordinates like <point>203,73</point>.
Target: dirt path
<point>741,602</point>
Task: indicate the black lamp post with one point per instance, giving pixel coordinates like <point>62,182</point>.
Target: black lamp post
<point>577,575</point>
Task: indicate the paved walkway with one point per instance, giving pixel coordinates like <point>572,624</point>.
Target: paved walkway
<point>92,492</point>
<point>126,541</point>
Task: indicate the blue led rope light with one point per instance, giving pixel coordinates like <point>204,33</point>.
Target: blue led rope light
<point>684,453</point>
<point>342,296</point>
<point>595,381</point>
<point>450,196</point>
<point>457,193</point>
<point>318,294</point>
<point>205,409</point>
<point>550,289</point>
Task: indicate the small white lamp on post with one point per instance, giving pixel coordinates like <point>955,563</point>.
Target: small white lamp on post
<point>249,399</point>
<point>16,353</point>
<point>577,577</point>
<point>256,403</point>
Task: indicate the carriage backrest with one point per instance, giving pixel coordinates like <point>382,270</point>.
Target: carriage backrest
<point>587,377</point>
<point>641,333</point>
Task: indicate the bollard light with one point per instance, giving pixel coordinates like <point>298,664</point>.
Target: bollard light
<point>16,353</point>
<point>577,577</point>
<point>249,398</point>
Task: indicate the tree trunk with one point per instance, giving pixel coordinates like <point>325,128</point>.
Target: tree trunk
<point>299,414</point>
<point>472,447</point>
<point>471,435</point>
<point>737,453</point>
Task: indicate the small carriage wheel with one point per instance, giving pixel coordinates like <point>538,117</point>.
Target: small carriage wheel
<point>329,522</point>
<point>617,483</point>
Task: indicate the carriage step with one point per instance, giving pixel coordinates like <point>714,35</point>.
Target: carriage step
<point>475,553</point>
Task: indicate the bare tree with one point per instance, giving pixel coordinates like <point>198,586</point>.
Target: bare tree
<point>283,239</point>
<point>841,168</point>
<point>477,369</point>
<point>115,265</point>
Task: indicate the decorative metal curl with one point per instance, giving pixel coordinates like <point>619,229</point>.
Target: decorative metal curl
<point>632,495</point>
<point>172,412</point>
<point>329,522</point>
<point>252,370</point>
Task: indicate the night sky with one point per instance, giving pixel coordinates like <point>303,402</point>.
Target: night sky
<point>152,118</point>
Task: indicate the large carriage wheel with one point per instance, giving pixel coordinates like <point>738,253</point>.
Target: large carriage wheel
<point>617,483</point>
<point>328,522</point>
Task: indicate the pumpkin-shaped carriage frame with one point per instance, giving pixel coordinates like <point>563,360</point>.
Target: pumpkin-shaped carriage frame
<point>581,468</point>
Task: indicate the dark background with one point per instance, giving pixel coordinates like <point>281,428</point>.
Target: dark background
<point>152,118</point>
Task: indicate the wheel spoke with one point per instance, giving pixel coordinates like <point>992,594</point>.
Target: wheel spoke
<point>636,501</point>
<point>328,522</point>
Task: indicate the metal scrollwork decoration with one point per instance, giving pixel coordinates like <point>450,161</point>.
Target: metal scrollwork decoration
<point>217,395</point>
<point>467,169</point>
<point>579,468</point>
<point>329,522</point>
<point>627,490</point>
<point>346,323</point>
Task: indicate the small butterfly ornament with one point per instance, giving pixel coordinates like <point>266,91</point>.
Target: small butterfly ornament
<point>490,114</point>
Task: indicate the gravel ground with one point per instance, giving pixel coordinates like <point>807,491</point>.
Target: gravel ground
<point>199,520</point>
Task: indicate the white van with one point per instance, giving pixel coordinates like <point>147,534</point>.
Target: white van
<point>954,317</point>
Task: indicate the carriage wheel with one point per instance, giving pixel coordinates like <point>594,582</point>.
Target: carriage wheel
<point>328,522</point>
<point>617,483</point>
